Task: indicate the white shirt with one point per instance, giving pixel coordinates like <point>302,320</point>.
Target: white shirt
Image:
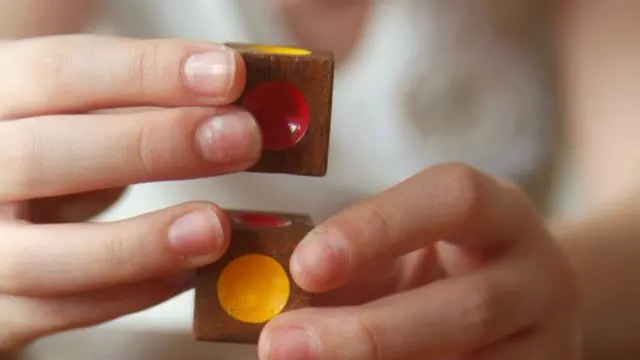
<point>429,82</point>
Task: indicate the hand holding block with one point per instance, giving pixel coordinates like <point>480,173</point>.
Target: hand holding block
<point>289,92</point>
<point>237,295</point>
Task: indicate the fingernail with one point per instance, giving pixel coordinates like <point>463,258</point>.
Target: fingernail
<point>211,73</point>
<point>230,138</point>
<point>288,344</point>
<point>197,237</point>
<point>320,258</point>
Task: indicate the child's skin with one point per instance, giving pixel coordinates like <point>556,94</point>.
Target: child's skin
<point>506,286</point>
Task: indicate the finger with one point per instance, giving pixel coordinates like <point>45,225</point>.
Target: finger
<point>73,208</point>
<point>444,318</point>
<point>48,260</point>
<point>63,155</point>
<point>402,274</point>
<point>446,202</point>
<point>25,319</point>
<point>79,73</point>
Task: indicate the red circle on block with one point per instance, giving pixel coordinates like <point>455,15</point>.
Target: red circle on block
<point>281,112</point>
<point>261,220</point>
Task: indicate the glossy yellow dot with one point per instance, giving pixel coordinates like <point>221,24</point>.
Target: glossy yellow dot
<point>253,288</point>
<point>282,50</point>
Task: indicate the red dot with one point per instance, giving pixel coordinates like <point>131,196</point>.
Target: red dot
<point>281,112</point>
<point>261,220</point>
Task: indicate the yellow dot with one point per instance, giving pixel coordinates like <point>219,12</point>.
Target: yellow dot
<point>282,50</point>
<point>253,288</point>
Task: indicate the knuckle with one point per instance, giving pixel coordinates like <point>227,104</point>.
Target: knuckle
<point>377,221</point>
<point>466,191</point>
<point>364,335</point>
<point>116,254</point>
<point>142,148</point>
<point>143,66</point>
<point>152,66</point>
<point>483,310</point>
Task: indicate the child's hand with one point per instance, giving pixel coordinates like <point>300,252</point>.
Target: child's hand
<point>58,150</point>
<point>450,264</point>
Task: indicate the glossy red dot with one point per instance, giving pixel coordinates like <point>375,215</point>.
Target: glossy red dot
<point>261,220</point>
<point>281,112</point>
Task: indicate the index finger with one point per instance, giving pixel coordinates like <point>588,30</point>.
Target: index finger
<point>79,73</point>
<point>451,202</point>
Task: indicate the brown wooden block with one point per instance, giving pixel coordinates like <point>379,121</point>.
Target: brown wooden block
<point>236,296</point>
<point>289,91</point>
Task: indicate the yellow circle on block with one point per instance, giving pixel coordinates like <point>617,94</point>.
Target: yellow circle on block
<point>282,50</point>
<point>253,288</point>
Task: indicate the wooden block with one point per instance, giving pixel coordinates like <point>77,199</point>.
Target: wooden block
<point>289,91</point>
<point>236,296</point>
